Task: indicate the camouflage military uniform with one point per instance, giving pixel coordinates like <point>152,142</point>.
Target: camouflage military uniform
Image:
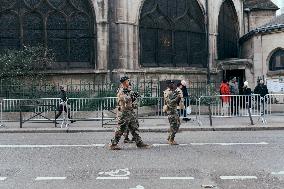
<point>127,119</point>
<point>172,100</point>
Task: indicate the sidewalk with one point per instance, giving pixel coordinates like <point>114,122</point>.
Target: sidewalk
<point>151,125</point>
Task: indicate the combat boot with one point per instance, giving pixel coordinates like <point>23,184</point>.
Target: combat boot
<point>114,147</point>
<point>142,145</point>
<point>172,142</point>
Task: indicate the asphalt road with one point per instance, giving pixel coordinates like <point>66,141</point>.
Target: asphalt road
<point>219,160</point>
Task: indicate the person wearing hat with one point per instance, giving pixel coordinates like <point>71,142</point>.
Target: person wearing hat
<point>127,119</point>
<point>172,99</point>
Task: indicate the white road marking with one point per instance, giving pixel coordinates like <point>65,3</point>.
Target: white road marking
<point>160,144</point>
<point>278,173</point>
<point>3,178</point>
<point>49,178</point>
<point>237,177</point>
<point>228,144</point>
<point>138,187</point>
<point>50,145</point>
<point>112,178</point>
<point>169,145</point>
<point>176,178</point>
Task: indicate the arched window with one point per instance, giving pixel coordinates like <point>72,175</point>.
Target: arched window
<point>172,34</point>
<point>9,31</point>
<point>33,29</point>
<point>228,31</point>
<point>276,61</point>
<point>65,26</point>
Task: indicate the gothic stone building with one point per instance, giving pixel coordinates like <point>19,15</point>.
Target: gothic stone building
<point>101,40</point>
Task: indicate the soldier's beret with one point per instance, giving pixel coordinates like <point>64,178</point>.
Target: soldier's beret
<point>124,78</point>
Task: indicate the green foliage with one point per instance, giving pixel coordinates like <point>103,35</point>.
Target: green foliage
<point>28,64</point>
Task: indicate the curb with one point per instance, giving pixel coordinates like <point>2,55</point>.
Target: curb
<point>142,130</point>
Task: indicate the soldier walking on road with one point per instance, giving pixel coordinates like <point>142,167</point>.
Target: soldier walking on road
<point>172,99</point>
<point>127,119</point>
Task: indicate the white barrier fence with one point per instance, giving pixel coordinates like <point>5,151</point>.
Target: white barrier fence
<point>105,109</point>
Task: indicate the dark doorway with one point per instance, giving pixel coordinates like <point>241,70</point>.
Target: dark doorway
<point>239,74</point>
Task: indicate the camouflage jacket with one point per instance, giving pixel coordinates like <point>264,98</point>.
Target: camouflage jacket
<point>171,100</point>
<point>127,99</point>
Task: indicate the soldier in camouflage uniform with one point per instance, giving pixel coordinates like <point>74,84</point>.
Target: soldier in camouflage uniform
<point>127,119</point>
<point>126,133</point>
<point>171,100</point>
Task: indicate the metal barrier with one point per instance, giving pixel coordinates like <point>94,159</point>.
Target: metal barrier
<point>1,116</point>
<point>231,106</point>
<point>24,110</point>
<point>273,105</point>
<point>83,109</point>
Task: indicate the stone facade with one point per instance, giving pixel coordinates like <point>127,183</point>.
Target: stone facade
<point>118,45</point>
<point>259,45</point>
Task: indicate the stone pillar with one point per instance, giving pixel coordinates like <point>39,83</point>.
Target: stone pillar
<point>101,9</point>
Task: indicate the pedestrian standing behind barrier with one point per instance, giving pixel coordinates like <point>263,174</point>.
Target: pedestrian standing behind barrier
<point>225,90</point>
<point>63,104</point>
<point>186,101</point>
<point>234,90</point>
<point>261,89</point>
<point>180,106</point>
<point>247,92</point>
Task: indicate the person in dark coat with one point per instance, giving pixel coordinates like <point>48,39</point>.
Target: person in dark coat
<point>63,104</point>
<point>261,89</point>
<point>247,92</point>
<point>186,100</point>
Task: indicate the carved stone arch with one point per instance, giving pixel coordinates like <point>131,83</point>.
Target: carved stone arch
<point>228,31</point>
<point>275,59</point>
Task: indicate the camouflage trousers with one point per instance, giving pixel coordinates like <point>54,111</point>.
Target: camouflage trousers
<point>127,121</point>
<point>174,121</point>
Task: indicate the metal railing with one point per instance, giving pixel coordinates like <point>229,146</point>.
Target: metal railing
<point>105,109</point>
<point>231,106</point>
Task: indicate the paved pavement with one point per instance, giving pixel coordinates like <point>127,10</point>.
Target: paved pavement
<point>218,160</point>
<point>153,124</point>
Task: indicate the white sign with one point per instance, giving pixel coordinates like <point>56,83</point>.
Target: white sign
<point>275,86</point>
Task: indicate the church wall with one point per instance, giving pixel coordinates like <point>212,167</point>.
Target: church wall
<point>124,44</point>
